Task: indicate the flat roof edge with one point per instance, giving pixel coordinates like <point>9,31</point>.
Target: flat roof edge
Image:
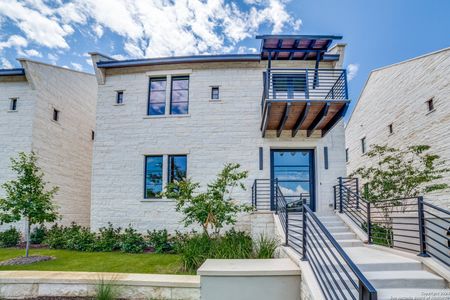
<point>299,36</point>
<point>12,72</point>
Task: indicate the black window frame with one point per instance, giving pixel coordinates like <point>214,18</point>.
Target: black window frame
<point>346,155</point>
<point>119,97</point>
<point>174,78</point>
<point>363,145</point>
<point>430,104</point>
<point>215,88</point>
<point>56,115</point>
<point>13,104</point>
<point>150,93</point>
<point>169,166</point>
<point>391,128</point>
<point>145,175</point>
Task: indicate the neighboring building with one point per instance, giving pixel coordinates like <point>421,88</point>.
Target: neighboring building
<point>51,110</point>
<point>165,118</point>
<point>404,104</point>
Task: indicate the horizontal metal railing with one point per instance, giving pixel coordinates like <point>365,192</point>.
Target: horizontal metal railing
<point>261,194</point>
<point>409,224</point>
<point>283,84</point>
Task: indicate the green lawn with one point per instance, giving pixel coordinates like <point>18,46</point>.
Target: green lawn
<point>97,261</point>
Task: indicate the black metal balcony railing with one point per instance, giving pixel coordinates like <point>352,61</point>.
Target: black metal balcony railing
<point>409,224</point>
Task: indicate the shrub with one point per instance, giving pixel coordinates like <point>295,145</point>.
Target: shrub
<point>233,245</point>
<point>132,241</point>
<point>38,234</point>
<point>80,238</point>
<point>159,240</point>
<point>55,238</point>
<point>9,238</point>
<point>108,239</point>
<point>195,251</point>
<point>265,247</point>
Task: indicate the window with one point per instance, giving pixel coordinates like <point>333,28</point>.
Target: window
<point>55,115</point>
<point>391,128</point>
<point>157,96</point>
<point>119,97</point>
<point>363,145</point>
<point>153,176</point>
<point>289,86</point>
<point>177,167</point>
<point>92,135</point>
<point>179,96</point>
<point>13,104</point>
<point>346,155</point>
<point>215,93</point>
<point>430,104</point>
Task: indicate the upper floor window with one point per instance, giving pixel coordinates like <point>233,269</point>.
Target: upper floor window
<point>289,86</point>
<point>13,104</point>
<point>55,115</point>
<point>215,93</point>
<point>119,97</point>
<point>153,176</point>
<point>346,155</point>
<point>430,104</point>
<point>177,167</point>
<point>157,96</point>
<point>391,128</point>
<point>179,96</point>
<point>363,145</point>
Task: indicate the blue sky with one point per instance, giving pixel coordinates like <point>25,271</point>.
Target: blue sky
<point>377,33</point>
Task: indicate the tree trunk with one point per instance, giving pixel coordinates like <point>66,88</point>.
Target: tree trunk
<point>28,238</point>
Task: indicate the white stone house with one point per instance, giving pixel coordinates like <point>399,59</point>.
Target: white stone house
<point>404,104</point>
<point>277,113</point>
<point>51,110</point>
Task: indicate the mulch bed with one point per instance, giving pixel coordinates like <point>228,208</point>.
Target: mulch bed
<point>22,260</point>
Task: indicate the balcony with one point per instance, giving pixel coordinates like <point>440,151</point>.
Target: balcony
<point>303,99</point>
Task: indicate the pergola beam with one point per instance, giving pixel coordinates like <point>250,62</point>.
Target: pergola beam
<point>283,119</point>
<point>266,118</point>
<point>294,46</point>
<point>301,119</point>
<point>320,116</point>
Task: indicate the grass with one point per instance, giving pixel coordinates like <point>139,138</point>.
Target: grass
<point>97,261</point>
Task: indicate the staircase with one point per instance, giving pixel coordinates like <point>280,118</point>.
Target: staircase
<point>392,275</point>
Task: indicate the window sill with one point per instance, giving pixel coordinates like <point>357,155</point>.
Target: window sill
<point>216,100</point>
<point>166,116</point>
<point>431,111</point>
<point>118,104</point>
<point>55,122</point>
<point>153,200</point>
<point>12,111</point>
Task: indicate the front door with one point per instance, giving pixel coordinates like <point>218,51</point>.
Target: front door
<point>294,169</point>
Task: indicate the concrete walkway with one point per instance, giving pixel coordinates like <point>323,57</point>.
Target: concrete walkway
<point>392,275</point>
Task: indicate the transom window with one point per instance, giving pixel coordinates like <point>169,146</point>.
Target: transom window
<point>157,96</point>
<point>177,167</point>
<point>179,96</point>
<point>153,176</point>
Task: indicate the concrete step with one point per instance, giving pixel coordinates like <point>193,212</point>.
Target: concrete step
<point>389,294</point>
<point>329,218</point>
<point>329,224</point>
<point>405,280</point>
<point>350,243</point>
<point>338,229</point>
<point>344,235</point>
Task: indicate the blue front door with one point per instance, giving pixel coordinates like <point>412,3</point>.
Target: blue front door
<point>294,170</point>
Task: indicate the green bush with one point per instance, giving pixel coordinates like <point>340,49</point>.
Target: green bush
<point>80,238</point>
<point>265,247</point>
<point>55,238</point>
<point>132,241</point>
<point>233,245</point>
<point>108,239</point>
<point>160,241</point>
<point>195,250</point>
<point>38,234</point>
<point>9,238</point>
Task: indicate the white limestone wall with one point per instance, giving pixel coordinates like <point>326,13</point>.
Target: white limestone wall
<point>397,94</point>
<point>212,134</point>
<point>15,126</point>
<point>65,147</point>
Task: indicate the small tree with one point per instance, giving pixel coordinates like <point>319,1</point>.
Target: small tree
<point>214,208</point>
<point>399,173</point>
<point>26,197</point>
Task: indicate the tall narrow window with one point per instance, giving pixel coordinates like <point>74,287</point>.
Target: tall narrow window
<point>119,97</point>
<point>391,128</point>
<point>179,96</point>
<point>157,96</point>
<point>153,176</point>
<point>13,104</point>
<point>92,135</point>
<point>177,167</point>
<point>363,145</point>
<point>215,93</point>
<point>55,115</point>
<point>346,155</point>
<point>430,104</point>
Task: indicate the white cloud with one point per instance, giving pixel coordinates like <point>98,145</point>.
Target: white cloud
<point>5,64</point>
<point>150,27</point>
<point>32,52</point>
<point>53,58</point>
<point>77,66</point>
<point>352,71</point>
<point>14,41</point>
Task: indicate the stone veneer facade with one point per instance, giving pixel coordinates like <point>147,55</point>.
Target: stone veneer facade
<point>212,134</point>
<point>64,148</point>
<point>398,95</point>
